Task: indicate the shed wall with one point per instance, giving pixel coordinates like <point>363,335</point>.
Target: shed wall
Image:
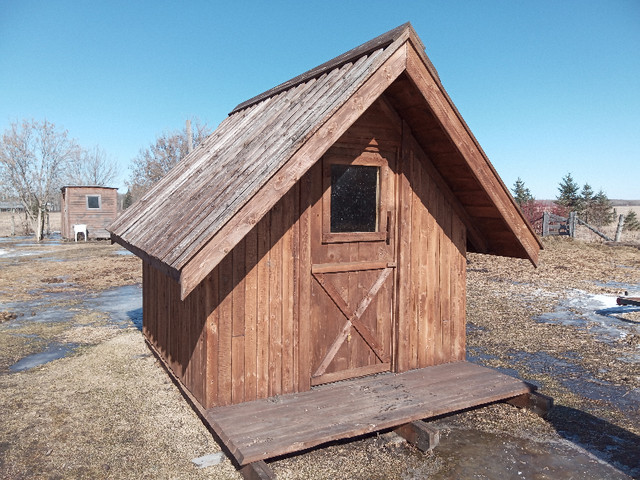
<point>74,211</point>
<point>431,266</point>
<point>244,332</point>
<point>233,339</point>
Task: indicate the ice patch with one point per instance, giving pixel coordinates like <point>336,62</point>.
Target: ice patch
<point>597,313</point>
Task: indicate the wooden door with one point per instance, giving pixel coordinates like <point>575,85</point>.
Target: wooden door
<point>352,271</point>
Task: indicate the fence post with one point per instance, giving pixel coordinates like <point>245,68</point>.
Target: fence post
<point>545,223</point>
<point>619,229</point>
<point>572,224</point>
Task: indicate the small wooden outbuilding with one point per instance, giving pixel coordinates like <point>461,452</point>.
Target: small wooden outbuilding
<point>93,206</point>
<point>320,234</point>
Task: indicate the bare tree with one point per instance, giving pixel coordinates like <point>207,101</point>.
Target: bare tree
<point>33,158</point>
<point>154,162</point>
<point>92,167</point>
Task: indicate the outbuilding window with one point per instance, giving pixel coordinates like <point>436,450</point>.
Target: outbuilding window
<point>355,198</point>
<point>353,201</point>
<point>93,202</point>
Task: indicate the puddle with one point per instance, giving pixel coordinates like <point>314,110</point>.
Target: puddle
<point>579,381</point>
<point>122,306</point>
<point>122,252</point>
<point>15,238</point>
<point>632,289</point>
<point>11,247</point>
<point>54,351</point>
<point>483,455</point>
<point>12,253</point>
<point>41,310</point>
<point>593,312</point>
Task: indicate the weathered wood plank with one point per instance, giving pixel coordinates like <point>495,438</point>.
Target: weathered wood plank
<point>431,262</point>
<point>237,369</point>
<point>212,290</point>
<point>275,300</point>
<point>225,331</point>
<point>250,313</point>
<point>304,354</point>
<point>238,282</point>
<point>444,212</point>
<point>347,374</point>
<point>260,430</point>
<point>458,290</point>
<point>290,203</point>
<point>440,379</point>
<point>262,321</point>
<point>405,204</point>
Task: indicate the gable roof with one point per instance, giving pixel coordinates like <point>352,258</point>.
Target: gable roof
<point>208,202</point>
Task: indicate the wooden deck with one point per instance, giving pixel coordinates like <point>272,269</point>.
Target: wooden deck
<point>263,429</point>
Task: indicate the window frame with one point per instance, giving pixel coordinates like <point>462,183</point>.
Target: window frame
<point>366,160</point>
<point>98,196</point>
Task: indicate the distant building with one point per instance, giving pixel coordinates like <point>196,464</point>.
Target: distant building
<point>9,205</point>
<point>95,207</point>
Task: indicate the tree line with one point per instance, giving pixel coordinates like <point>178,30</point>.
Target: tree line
<point>592,207</point>
<point>38,158</point>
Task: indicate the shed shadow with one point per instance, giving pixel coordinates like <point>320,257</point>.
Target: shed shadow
<point>136,317</point>
<point>606,441</point>
<point>615,312</point>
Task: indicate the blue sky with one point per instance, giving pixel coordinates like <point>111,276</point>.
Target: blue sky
<point>547,87</point>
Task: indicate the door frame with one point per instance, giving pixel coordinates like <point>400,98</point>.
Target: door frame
<point>387,234</point>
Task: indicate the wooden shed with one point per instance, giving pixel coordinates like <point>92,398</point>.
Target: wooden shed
<point>93,206</point>
<point>320,235</point>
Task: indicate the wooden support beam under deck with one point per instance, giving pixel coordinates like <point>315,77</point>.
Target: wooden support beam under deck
<point>257,471</point>
<point>422,436</point>
<point>536,402</point>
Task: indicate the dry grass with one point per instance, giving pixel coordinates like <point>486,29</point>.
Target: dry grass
<point>17,226</point>
<point>67,267</point>
<point>110,411</point>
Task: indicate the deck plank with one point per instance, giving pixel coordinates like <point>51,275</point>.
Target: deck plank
<point>284,424</point>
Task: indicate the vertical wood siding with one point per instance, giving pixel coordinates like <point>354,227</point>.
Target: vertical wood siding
<point>234,338</point>
<point>248,332</point>
<point>431,268</point>
<point>74,210</point>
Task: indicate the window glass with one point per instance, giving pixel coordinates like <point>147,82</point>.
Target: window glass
<point>354,198</point>
<point>93,201</point>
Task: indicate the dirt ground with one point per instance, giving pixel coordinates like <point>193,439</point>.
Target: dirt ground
<point>107,409</point>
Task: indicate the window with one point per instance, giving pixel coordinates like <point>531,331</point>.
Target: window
<point>93,202</point>
<point>353,202</point>
<point>355,198</point>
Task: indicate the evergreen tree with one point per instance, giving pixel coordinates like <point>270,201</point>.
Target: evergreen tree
<point>568,196</point>
<point>128,200</point>
<point>631,221</point>
<point>603,212</point>
<point>521,194</point>
<point>586,202</point>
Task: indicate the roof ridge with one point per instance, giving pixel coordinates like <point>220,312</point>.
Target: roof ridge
<point>381,41</point>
